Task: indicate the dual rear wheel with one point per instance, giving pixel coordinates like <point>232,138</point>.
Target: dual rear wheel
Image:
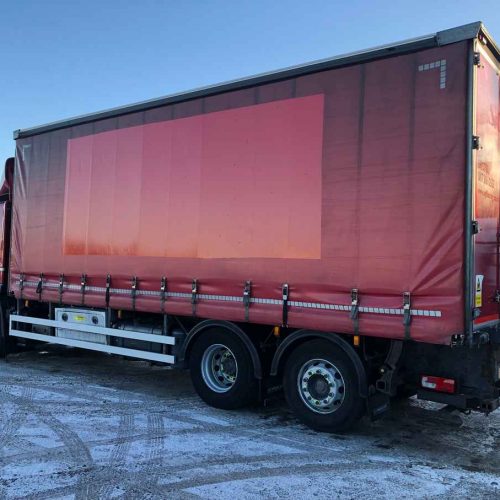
<point>322,387</point>
<point>320,382</point>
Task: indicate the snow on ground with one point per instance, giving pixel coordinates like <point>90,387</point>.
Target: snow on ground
<point>82,425</point>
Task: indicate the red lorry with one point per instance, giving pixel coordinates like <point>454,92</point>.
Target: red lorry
<point>333,227</point>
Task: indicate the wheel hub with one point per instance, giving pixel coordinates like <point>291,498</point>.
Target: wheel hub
<point>318,387</point>
<point>321,386</point>
<point>219,368</point>
<point>227,366</point>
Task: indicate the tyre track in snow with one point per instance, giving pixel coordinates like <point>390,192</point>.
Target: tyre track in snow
<point>75,448</point>
<point>139,483</point>
<point>117,460</point>
<point>74,445</point>
<point>182,447</point>
<point>10,426</point>
<point>152,469</point>
<point>156,429</point>
<point>68,393</point>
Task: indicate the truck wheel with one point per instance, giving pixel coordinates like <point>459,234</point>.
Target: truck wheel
<point>4,332</point>
<point>222,370</point>
<point>322,387</point>
<point>3,345</point>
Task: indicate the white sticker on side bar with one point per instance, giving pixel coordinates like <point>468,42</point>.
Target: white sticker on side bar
<point>479,290</point>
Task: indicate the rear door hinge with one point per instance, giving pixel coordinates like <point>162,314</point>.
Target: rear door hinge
<point>477,59</point>
<point>475,227</point>
<point>457,340</point>
<point>476,142</point>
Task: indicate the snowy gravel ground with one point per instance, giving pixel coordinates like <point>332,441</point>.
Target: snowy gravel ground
<point>81,425</point>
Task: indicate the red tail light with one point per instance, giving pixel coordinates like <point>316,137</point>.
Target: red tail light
<point>438,384</point>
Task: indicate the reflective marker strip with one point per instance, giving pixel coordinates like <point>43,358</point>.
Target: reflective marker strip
<point>232,298</point>
<point>441,65</point>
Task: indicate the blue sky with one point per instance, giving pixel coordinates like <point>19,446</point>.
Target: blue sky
<point>61,58</point>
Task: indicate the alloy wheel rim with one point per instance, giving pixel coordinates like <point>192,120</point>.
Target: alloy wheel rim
<point>219,368</point>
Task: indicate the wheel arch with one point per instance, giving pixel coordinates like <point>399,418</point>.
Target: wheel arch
<point>301,336</point>
<point>198,329</point>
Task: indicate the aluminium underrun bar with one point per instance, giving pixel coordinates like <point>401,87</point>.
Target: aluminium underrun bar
<point>15,319</point>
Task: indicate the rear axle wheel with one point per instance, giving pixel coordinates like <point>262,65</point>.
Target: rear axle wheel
<point>322,386</point>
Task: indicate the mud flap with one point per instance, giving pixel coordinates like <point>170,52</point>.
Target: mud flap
<point>377,405</point>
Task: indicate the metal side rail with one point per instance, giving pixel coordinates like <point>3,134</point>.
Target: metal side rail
<point>110,332</point>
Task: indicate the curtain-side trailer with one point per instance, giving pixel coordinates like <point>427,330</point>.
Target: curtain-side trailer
<point>333,227</point>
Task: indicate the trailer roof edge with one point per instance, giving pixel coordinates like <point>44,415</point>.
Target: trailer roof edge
<point>445,37</point>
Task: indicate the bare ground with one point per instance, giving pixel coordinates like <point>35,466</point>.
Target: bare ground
<point>80,425</point>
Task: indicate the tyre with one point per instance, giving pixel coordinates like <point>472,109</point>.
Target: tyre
<point>5,341</point>
<point>222,370</point>
<point>3,345</point>
<point>322,387</point>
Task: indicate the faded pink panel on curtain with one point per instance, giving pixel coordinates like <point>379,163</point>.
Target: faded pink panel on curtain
<point>230,184</point>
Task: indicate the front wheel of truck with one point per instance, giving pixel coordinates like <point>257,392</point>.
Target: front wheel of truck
<point>322,387</point>
<point>5,341</point>
<point>222,370</point>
